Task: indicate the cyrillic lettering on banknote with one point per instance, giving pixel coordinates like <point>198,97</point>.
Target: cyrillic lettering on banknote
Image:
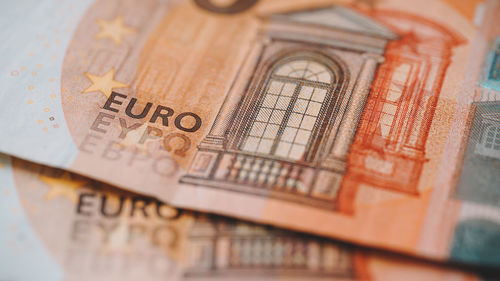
<point>135,129</point>
<point>290,101</point>
<point>375,122</point>
<point>105,230</point>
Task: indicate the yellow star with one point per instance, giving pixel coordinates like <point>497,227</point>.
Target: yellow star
<point>114,30</point>
<point>103,84</point>
<point>64,186</point>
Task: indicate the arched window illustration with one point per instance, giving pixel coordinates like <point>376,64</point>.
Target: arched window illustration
<point>289,108</point>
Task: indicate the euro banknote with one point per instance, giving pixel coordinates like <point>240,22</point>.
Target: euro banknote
<point>59,226</point>
<point>374,122</point>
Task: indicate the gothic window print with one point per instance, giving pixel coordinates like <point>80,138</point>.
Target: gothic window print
<point>289,108</point>
<point>393,98</point>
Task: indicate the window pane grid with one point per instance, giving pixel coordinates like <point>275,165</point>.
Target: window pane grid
<point>492,140</point>
<point>295,139</point>
<point>286,117</point>
<point>270,115</point>
<point>391,100</point>
<point>265,143</point>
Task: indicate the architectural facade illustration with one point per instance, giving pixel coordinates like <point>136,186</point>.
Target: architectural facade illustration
<point>477,182</point>
<point>224,248</point>
<point>288,128</point>
<point>389,149</point>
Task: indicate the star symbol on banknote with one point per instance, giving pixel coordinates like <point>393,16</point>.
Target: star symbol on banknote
<point>63,186</point>
<point>114,29</point>
<point>103,84</point>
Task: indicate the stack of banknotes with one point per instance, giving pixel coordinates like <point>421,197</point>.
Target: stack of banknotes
<point>250,140</point>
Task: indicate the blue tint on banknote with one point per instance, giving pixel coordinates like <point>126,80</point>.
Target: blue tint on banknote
<point>22,255</point>
<point>479,181</point>
<point>35,37</point>
<point>477,240</point>
<point>490,77</point>
<point>477,235</point>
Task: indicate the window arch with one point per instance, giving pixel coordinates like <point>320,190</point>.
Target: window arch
<point>289,107</point>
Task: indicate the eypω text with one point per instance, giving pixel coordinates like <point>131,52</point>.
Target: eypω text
<point>120,110</point>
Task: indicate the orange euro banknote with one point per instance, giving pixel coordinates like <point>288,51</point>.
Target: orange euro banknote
<point>375,122</point>
<point>97,232</point>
